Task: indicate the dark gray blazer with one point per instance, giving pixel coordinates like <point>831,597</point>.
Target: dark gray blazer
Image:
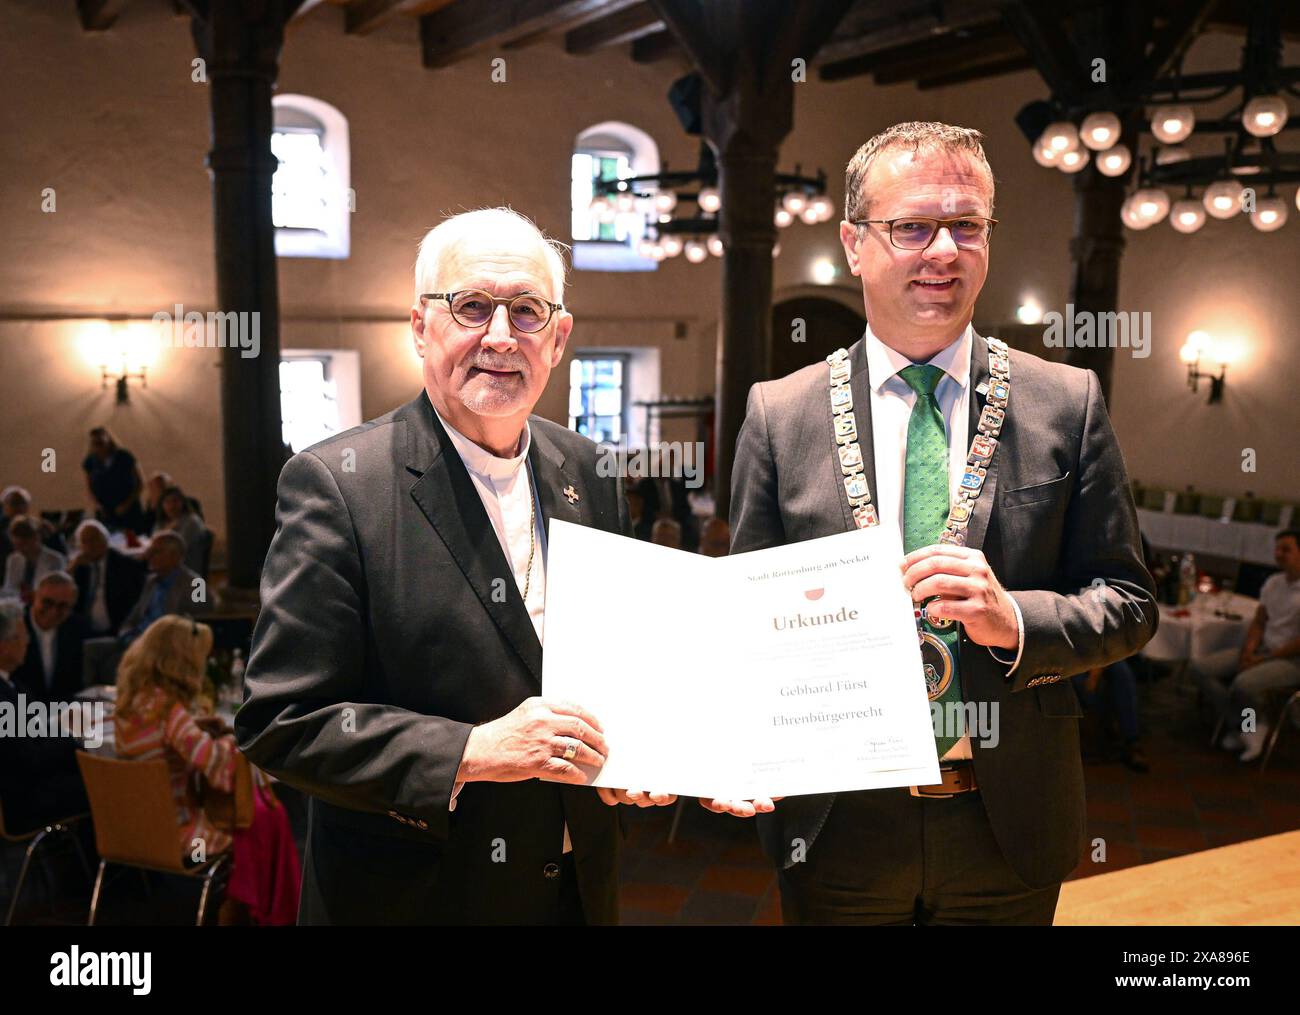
<point>1056,513</point>
<point>380,644</point>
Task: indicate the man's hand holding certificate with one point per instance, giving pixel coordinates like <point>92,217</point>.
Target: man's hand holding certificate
<point>785,671</point>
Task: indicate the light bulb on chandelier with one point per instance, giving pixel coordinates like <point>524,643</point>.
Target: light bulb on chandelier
<point>1264,115</point>
<point>1222,198</point>
<point>1099,130</point>
<point>1172,124</point>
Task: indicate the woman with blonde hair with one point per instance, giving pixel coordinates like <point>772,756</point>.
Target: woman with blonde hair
<point>163,712</point>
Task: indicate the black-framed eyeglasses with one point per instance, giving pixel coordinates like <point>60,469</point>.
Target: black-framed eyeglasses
<point>473,308</point>
<point>917,232</point>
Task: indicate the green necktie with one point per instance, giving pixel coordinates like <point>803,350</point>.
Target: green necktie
<point>925,509</point>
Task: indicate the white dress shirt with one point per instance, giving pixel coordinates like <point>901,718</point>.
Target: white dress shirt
<point>99,618</point>
<point>1280,597</point>
<point>45,640</point>
<point>891,410</point>
<point>505,485</point>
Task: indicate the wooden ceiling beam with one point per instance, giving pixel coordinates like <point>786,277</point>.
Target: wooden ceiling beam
<point>932,49</point>
<point>1176,37</point>
<point>655,47</point>
<point>99,15</point>
<point>954,57</point>
<point>627,25</point>
<point>977,72</point>
<point>465,26</point>
<point>1043,36</point>
<point>873,28</point>
<point>361,17</point>
<point>688,21</point>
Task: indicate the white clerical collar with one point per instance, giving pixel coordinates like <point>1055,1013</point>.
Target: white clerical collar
<point>483,462</point>
<point>883,363</point>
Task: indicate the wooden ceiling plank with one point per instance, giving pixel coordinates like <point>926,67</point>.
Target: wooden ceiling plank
<point>99,15</point>
<point>655,47</point>
<point>625,26</point>
<point>1008,65</point>
<point>465,26</point>
<point>893,27</point>
<point>361,17</point>
<point>932,48</point>
<point>952,58</point>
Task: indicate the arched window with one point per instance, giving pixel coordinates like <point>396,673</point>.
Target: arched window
<point>311,196</point>
<point>609,151</point>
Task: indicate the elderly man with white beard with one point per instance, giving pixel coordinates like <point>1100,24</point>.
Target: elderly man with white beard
<point>397,660</point>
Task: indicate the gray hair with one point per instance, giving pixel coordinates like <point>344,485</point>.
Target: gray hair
<point>91,523</point>
<point>450,231</point>
<point>11,618</point>
<point>57,578</point>
<point>9,491</point>
<point>168,536</point>
<point>916,136</point>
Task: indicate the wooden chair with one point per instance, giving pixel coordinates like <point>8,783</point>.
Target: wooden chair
<point>136,820</point>
<point>34,839</point>
<point>1292,704</point>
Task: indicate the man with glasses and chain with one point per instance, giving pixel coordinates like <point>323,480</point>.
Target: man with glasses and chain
<point>397,659</point>
<point>1002,475</point>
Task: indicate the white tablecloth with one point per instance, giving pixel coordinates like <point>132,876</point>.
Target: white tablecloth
<point>1248,541</point>
<point>1201,632</point>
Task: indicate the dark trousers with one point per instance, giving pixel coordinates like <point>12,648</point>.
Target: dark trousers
<point>887,857</point>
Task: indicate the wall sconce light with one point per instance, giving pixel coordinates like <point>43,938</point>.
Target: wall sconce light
<point>1200,345</point>
<point>122,353</point>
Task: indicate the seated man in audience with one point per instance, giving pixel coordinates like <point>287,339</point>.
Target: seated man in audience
<point>52,669</point>
<point>715,540</point>
<point>108,582</point>
<point>1113,690</point>
<point>30,561</point>
<point>1238,685</point>
<point>39,781</point>
<point>170,588</point>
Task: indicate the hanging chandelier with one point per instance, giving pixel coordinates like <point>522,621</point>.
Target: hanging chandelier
<point>681,208</point>
<point>1240,173</point>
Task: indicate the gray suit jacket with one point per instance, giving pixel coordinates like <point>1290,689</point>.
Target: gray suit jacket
<point>1056,514</point>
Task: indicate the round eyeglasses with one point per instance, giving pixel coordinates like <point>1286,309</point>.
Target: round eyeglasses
<point>968,232</point>
<point>473,308</point>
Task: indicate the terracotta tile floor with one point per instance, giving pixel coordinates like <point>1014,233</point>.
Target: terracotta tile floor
<point>1193,798</point>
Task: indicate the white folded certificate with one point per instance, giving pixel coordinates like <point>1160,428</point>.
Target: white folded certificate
<point>790,670</point>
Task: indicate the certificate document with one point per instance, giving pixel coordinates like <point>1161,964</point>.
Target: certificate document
<point>795,669</point>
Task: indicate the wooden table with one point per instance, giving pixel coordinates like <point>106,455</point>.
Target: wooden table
<point>1255,882</point>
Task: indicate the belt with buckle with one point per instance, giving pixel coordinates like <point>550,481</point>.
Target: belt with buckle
<point>954,778</point>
